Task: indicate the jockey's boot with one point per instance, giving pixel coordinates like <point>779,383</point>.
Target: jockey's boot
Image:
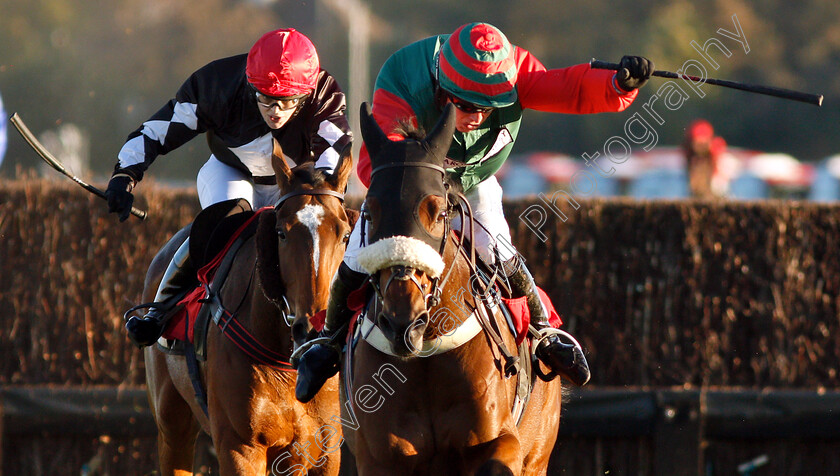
<point>321,361</point>
<point>562,358</point>
<point>179,276</point>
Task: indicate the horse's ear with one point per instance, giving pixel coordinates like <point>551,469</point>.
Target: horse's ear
<point>341,175</point>
<point>371,132</point>
<point>440,138</point>
<point>352,215</point>
<point>281,168</point>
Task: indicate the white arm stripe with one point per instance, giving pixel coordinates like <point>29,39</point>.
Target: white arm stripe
<point>330,132</point>
<point>132,153</point>
<point>185,114</point>
<point>328,160</point>
<point>155,130</point>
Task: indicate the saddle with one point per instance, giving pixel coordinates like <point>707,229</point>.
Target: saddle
<point>211,233</point>
<point>214,226</point>
<point>219,231</point>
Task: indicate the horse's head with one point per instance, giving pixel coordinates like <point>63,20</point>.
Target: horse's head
<point>406,207</point>
<point>312,229</point>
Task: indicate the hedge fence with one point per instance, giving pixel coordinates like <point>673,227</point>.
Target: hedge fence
<point>660,293</point>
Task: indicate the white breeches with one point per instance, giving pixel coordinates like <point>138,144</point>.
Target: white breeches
<point>217,182</point>
<point>492,229</point>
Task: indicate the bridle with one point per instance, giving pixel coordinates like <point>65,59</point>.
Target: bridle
<point>314,191</point>
<point>431,296</point>
<point>285,309</point>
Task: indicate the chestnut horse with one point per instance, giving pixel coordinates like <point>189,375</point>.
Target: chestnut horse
<point>426,390</point>
<point>255,422</point>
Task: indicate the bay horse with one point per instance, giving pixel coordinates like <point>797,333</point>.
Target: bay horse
<point>426,390</point>
<point>252,416</point>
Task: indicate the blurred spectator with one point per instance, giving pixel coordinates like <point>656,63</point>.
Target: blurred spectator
<point>2,131</point>
<point>702,154</point>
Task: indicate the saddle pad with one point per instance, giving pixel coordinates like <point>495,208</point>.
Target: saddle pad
<point>182,324</point>
<point>522,316</point>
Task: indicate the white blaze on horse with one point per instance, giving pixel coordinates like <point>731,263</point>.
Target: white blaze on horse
<point>251,413</point>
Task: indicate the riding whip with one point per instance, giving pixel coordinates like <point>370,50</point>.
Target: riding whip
<point>45,154</point>
<point>815,99</point>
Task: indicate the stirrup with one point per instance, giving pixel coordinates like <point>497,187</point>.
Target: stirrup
<point>322,340</point>
<point>146,305</point>
<point>298,353</point>
<point>546,332</point>
<point>542,335</point>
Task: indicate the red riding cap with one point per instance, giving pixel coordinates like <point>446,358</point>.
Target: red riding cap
<point>283,63</point>
<point>700,129</point>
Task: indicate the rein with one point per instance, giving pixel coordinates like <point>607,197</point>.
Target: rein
<point>512,364</point>
<point>432,298</point>
<point>230,325</point>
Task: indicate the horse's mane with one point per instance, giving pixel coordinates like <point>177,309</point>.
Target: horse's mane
<point>307,174</point>
<point>408,130</point>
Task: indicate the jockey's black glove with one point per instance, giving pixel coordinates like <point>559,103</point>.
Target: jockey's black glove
<point>119,195</point>
<point>634,72</point>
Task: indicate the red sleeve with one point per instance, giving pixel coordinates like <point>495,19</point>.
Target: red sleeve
<point>574,90</point>
<point>388,109</point>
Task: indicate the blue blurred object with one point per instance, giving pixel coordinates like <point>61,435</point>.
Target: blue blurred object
<point>749,186</point>
<point>825,187</point>
<point>606,187</point>
<point>2,131</point>
<point>660,183</point>
<point>521,181</point>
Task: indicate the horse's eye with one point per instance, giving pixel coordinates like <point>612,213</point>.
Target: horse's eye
<point>346,238</point>
<point>281,235</point>
<point>441,217</point>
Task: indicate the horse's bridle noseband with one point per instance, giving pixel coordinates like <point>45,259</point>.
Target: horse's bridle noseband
<point>406,273</point>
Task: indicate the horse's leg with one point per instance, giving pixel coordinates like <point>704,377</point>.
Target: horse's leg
<point>177,429</point>
<point>239,458</point>
<point>498,457</point>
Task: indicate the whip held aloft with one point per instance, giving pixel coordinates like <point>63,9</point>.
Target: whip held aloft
<point>815,99</point>
<point>50,159</point>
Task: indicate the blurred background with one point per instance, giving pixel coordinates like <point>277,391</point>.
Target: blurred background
<point>83,74</point>
<point>692,311</point>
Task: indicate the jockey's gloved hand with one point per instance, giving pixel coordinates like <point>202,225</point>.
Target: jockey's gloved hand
<point>119,195</point>
<point>634,72</point>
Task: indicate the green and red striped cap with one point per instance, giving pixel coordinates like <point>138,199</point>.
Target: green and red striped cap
<point>476,64</point>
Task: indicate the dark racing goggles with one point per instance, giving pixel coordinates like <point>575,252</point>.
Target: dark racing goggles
<point>284,103</point>
<point>468,107</point>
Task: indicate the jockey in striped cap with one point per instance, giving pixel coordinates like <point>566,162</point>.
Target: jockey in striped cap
<point>490,81</point>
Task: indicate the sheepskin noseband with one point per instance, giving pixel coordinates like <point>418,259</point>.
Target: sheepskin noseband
<point>401,251</point>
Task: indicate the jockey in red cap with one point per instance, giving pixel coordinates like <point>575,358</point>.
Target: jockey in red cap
<point>703,152</point>
<point>490,82</point>
<point>243,103</point>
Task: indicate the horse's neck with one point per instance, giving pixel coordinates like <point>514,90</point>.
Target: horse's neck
<point>264,320</point>
<point>456,295</point>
